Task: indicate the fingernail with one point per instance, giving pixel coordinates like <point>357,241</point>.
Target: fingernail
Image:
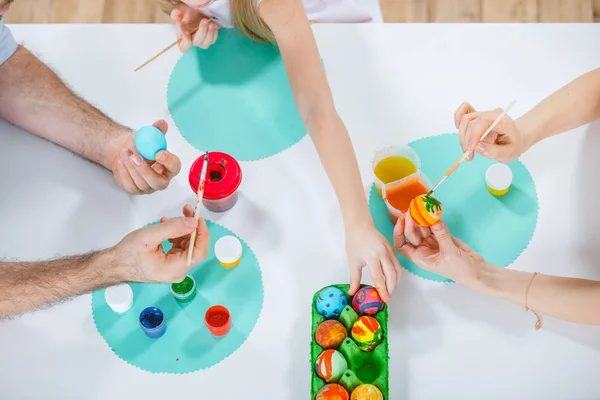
<point>161,156</point>
<point>436,227</point>
<point>204,22</point>
<point>125,153</point>
<point>137,160</point>
<point>191,223</point>
<point>479,148</point>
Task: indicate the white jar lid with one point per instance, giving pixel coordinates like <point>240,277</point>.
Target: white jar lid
<point>499,176</point>
<point>119,297</point>
<point>228,249</point>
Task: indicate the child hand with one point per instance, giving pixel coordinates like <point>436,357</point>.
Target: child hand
<point>504,143</point>
<point>366,246</point>
<point>188,19</point>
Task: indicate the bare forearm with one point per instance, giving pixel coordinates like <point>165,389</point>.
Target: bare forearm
<point>26,286</point>
<point>571,299</point>
<point>575,104</point>
<point>34,98</point>
<point>339,161</point>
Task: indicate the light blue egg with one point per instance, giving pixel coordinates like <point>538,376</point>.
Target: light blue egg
<point>330,302</point>
<point>149,141</point>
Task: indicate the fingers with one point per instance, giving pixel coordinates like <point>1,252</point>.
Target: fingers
<point>162,125</point>
<point>170,162</point>
<point>206,34</point>
<point>355,276</point>
<point>463,109</point>
<point>170,229</point>
<point>409,251</point>
<point>444,239</point>
<point>399,238</point>
<point>186,39</point>
<point>391,276</point>
<point>465,135</point>
<point>140,183</point>
<point>188,211</point>
<point>411,231</point>
<point>379,279</point>
<point>124,179</point>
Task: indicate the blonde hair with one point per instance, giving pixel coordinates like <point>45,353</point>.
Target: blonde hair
<point>245,18</point>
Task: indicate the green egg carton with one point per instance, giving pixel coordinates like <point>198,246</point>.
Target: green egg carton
<point>364,367</point>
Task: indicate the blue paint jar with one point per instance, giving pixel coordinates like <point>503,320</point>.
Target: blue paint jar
<point>152,322</point>
<point>149,140</point>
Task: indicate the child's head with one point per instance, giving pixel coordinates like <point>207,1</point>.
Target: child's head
<point>244,13</point>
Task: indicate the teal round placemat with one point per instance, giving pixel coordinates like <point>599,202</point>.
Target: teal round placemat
<point>498,228</point>
<point>187,345</point>
<point>235,97</point>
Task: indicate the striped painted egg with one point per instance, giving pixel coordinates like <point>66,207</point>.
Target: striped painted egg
<point>331,365</point>
<point>366,392</point>
<point>367,301</point>
<point>332,391</point>
<point>425,210</point>
<point>367,333</point>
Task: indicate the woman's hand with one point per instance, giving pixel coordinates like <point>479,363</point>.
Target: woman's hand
<point>441,253</point>
<point>366,246</point>
<point>188,19</point>
<point>504,143</point>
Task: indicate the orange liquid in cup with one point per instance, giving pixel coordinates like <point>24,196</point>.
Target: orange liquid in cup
<point>400,197</point>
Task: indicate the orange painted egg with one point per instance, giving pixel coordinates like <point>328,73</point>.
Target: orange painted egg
<point>333,391</point>
<point>425,210</point>
<point>330,334</point>
<point>367,392</point>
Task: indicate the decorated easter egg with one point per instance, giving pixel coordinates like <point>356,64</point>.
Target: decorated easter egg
<point>331,365</point>
<point>366,392</point>
<point>367,301</point>
<point>330,334</point>
<point>367,333</point>
<point>332,391</point>
<point>149,140</point>
<point>330,302</point>
<point>425,210</point>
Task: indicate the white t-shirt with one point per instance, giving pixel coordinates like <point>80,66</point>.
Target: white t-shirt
<point>318,10</point>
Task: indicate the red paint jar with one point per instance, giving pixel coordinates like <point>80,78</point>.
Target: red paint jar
<point>223,178</point>
<point>218,320</point>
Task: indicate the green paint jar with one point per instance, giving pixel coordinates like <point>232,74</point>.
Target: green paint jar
<point>184,291</point>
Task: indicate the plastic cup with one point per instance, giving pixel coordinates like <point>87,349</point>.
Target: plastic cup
<point>184,291</point>
<point>228,250</point>
<point>415,185</point>
<point>119,298</point>
<point>498,178</point>
<point>153,322</point>
<point>223,178</point>
<point>393,151</point>
<point>218,320</point>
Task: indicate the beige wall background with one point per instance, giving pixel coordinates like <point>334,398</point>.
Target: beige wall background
<point>146,11</point>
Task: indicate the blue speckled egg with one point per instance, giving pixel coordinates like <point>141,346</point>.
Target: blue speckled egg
<point>330,302</point>
<point>149,140</point>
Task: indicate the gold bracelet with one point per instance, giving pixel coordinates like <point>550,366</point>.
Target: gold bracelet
<point>538,324</point>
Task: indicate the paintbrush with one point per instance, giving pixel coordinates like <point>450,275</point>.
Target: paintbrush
<point>469,151</point>
<point>200,195</point>
<point>175,43</point>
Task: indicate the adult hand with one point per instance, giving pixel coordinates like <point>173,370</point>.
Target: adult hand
<point>366,246</point>
<point>441,253</point>
<point>141,256</point>
<point>135,174</point>
<point>504,143</point>
<point>187,19</point>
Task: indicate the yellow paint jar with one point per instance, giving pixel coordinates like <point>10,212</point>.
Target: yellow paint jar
<point>228,251</point>
<point>498,178</point>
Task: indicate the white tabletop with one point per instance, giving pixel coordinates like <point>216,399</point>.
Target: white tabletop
<point>392,84</point>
